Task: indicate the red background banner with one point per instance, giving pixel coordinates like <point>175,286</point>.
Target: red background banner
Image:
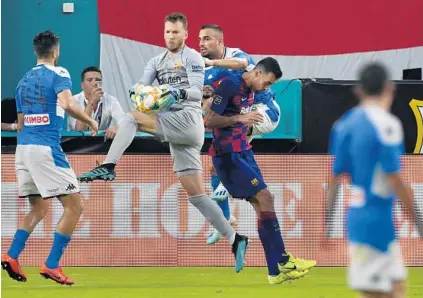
<point>305,27</point>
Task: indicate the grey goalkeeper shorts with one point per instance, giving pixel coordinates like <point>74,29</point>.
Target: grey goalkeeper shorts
<point>184,131</point>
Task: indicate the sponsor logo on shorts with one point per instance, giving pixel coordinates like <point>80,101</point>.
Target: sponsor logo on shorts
<point>70,187</point>
<point>36,119</point>
<point>170,80</point>
<point>53,190</point>
<point>255,182</point>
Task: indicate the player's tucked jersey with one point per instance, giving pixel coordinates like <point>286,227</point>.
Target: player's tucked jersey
<point>215,75</point>
<point>36,99</point>
<point>233,97</point>
<point>367,144</point>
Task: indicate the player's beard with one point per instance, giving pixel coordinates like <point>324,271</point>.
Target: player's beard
<point>210,56</point>
<point>174,46</point>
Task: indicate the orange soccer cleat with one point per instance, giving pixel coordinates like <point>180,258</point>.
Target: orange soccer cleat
<point>56,274</point>
<point>12,268</point>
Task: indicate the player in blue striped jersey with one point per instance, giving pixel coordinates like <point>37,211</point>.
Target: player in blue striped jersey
<point>43,96</point>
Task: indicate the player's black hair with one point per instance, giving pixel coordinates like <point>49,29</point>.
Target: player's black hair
<point>212,26</point>
<point>89,69</point>
<point>270,64</point>
<point>177,17</point>
<point>373,78</point>
<point>44,43</point>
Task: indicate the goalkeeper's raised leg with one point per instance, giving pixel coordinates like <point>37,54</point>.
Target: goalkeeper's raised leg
<point>180,72</point>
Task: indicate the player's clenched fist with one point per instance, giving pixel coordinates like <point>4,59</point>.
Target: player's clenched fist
<point>250,118</point>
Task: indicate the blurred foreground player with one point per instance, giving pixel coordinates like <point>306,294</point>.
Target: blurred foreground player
<point>42,169</point>
<point>367,143</point>
<point>182,69</point>
<point>230,117</point>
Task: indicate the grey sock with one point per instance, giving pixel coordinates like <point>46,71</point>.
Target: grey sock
<point>213,214</point>
<point>123,138</point>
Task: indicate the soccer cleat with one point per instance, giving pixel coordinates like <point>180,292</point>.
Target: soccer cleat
<point>12,268</point>
<point>99,173</point>
<point>215,236</point>
<point>239,249</point>
<point>300,264</point>
<point>56,274</point>
<point>282,277</point>
<point>220,194</point>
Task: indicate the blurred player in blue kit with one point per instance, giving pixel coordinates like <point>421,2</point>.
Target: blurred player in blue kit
<point>367,143</point>
<point>222,61</point>
<point>43,96</point>
<point>230,116</point>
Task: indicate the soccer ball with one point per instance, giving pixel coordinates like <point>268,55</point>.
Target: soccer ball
<point>146,98</point>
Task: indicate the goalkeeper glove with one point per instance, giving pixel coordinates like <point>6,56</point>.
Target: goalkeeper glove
<point>177,94</point>
<point>170,96</point>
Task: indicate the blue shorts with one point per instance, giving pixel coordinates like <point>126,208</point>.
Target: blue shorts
<point>239,173</point>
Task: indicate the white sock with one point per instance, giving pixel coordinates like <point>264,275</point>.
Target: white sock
<point>231,239</point>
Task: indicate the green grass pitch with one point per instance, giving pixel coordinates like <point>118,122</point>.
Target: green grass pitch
<point>120,282</point>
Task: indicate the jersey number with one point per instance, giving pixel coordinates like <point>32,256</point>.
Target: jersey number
<point>38,99</point>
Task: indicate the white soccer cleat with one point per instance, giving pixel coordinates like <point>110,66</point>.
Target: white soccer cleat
<point>220,194</point>
<point>215,235</point>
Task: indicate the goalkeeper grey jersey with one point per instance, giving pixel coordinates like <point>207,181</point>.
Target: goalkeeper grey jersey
<point>184,70</point>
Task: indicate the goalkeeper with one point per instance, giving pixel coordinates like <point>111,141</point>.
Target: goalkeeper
<point>180,124</point>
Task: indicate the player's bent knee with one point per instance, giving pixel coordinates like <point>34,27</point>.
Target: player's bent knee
<point>265,200</point>
<point>145,122</point>
<point>399,289</point>
<point>192,181</point>
<point>72,203</point>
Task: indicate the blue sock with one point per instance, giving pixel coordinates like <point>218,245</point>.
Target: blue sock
<point>215,180</point>
<point>224,205</point>
<point>272,264</point>
<point>270,224</point>
<point>59,244</point>
<point>18,243</point>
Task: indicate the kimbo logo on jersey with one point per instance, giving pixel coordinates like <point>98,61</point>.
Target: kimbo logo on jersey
<point>36,119</point>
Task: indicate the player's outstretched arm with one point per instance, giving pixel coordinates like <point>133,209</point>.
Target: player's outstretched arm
<point>214,120</point>
<point>230,63</point>
<point>69,105</point>
<point>150,72</point>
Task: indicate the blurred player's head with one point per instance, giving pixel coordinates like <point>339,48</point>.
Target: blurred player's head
<point>175,31</point>
<point>211,41</point>
<point>375,85</point>
<point>46,47</point>
<point>90,78</point>
<point>264,74</point>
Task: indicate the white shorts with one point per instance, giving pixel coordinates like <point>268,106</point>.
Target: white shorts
<point>43,170</point>
<point>266,126</point>
<point>372,270</point>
